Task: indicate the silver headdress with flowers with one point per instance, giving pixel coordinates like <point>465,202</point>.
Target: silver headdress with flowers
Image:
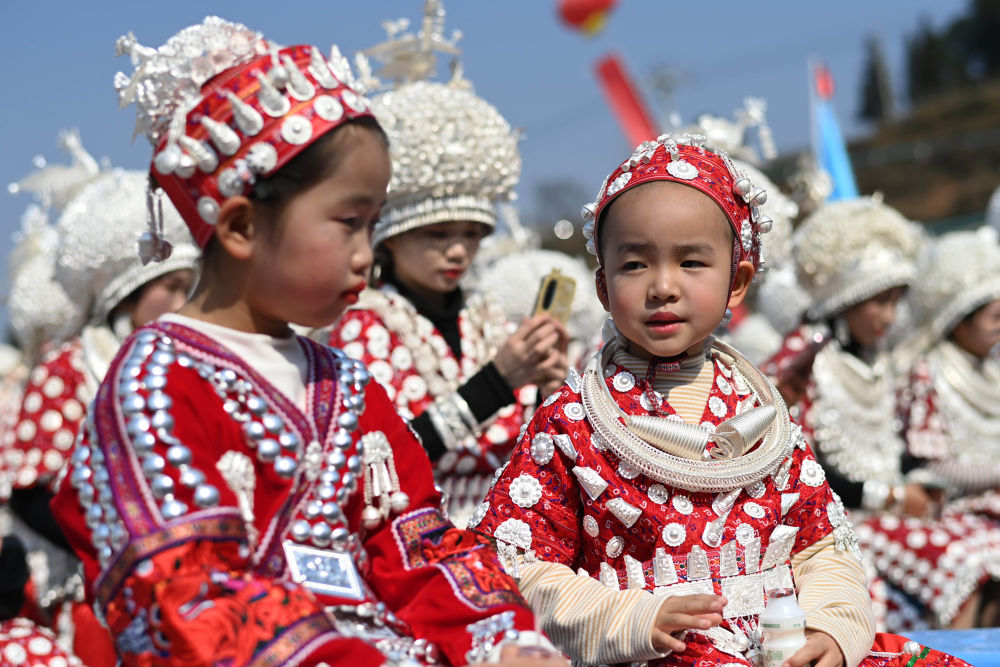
<point>848,251</point>
<point>40,309</point>
<point>96,262</point>
<point>959,272</point>
<point>454,157</point>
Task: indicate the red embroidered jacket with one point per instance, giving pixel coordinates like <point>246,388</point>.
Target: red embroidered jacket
<point>216,520</point>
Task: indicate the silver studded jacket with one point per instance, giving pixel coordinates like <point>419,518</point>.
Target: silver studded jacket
<point>217,521</point>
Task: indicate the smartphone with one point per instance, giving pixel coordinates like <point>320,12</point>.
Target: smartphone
<point>555,296</point>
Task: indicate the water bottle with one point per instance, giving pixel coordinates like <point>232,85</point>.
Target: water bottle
<point>783,626</point>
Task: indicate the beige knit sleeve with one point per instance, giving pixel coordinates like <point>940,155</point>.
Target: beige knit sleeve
<point>833,592</point>
<point>587,620</point>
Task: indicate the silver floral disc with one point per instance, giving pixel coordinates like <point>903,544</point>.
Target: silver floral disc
<point>674,534</point>
<point>590,525</point>
<point>574,411</point>
<point>614,547</point>
<point>717,406</point>
<point>682,169</point>
<point>658,493</point>
<point>262,158</point>
<point>525,491</point>
<point>296,130</point>
<point>542,448</point>
<point>208,209</point>
<point>812,473</point>
<point>230,183</point>
<point>683,504</point>
<point>744,533</point>
<point>754,510</point>
<point>623,382</point>
<point>627,471</point>
<point>328,108</point>
<point>723,385</point>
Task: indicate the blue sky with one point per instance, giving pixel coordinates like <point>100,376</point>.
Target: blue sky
<point>58,63</point>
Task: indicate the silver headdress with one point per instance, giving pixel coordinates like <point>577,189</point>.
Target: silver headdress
<point>167,82</point>
<point>959,272</point>
<point>96,262</point>
<point>40,310</point>
<point>454,157</point>
<point>223,107</point>
<point>849,251</point>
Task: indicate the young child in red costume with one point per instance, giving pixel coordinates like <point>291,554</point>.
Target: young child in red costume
<point>241,495</point>
<point>653,502</point>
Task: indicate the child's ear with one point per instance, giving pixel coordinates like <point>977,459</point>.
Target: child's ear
<point>234,228</point>
<point>602,289</point>
<point>741,283</point>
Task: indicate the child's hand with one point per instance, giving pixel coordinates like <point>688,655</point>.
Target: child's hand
<point>685,612</point>
<point>819,648</point>
<point>534,342</point>
<point>916,502</point>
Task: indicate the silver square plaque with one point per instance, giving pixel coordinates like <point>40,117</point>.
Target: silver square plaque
<point>324,572</point>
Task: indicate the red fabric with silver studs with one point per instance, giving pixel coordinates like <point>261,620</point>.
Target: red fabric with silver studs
<point>55,400</point>
<point>24,643</point>
<point>713,178</point>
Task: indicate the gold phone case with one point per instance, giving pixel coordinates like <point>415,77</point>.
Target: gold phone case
<point>555,296</point>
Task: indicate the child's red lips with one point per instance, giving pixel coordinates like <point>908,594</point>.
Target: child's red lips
<point>663,318</point>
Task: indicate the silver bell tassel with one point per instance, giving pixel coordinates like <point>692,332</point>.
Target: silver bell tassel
<point>380,480</point>
<point>152,246</point>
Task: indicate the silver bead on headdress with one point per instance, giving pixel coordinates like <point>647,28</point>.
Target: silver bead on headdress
<point>96,262</point>
<point>454,157</point>
<point>959,272</point>
<point>849,251</point>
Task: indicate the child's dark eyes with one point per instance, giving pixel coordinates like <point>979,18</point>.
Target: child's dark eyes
<point>632,265</point>
<point>692,264</point>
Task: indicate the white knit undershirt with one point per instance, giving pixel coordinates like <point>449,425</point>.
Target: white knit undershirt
<point>281,361</point>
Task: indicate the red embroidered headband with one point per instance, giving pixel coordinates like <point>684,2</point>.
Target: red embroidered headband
<point>685,160</point>
<point>223,107</point>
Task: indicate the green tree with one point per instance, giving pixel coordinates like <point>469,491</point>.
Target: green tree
<point>974,39</point>
<point>876,91</point>
<point>932,64</point>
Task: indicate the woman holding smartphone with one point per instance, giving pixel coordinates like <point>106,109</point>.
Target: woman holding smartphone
<point>447,357</point>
